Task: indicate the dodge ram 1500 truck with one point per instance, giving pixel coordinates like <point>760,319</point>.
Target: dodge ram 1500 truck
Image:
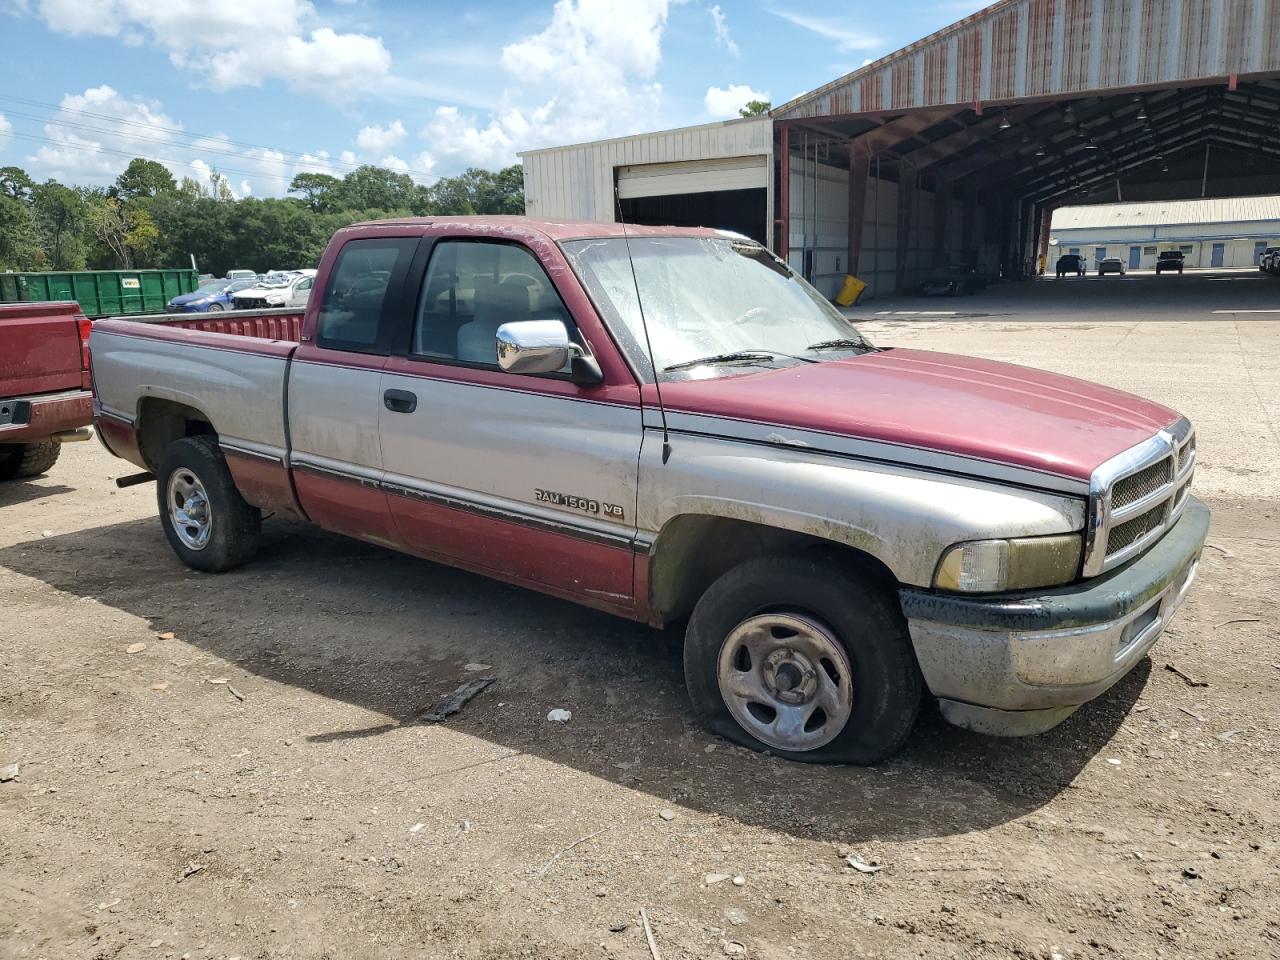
<point>671,425</point>
<point>45,398</point>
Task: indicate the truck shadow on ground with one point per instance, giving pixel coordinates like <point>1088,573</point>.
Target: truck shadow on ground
<point>14,492</point>
<point>392,634</point>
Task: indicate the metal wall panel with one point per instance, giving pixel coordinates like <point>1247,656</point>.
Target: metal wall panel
<point>577,182</point>
<point>1059,47</point>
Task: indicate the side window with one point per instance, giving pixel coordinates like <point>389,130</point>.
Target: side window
<point>363,289</point>
<point>474,287</point>
<point>305,284</point>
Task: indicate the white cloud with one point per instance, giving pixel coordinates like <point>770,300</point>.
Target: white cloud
<point>723,37</point>
<point>844,37</point>
<point>6,128</point>
<point>588,74</point>
<point>727,101</point>
<point>380,139</point>
<point>392,162</point>
<point>230,43</point>
<point>94,149</point>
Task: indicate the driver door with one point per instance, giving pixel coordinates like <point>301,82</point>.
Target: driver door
<point>531,478</point>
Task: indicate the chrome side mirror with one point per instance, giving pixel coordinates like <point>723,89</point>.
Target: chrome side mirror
<point>534,346</point>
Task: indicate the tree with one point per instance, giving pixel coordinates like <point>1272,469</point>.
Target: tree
<point>375,188</point>
<point>145,178</point>
<point>755,108</point>
<point>128,231</point>
<point>15,184</point>
<point>59,219</point>
<point>317,189</point>
<point>19,247</point>
<point>479,191</point>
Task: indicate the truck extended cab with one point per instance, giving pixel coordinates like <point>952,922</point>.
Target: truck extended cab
<point>670,425</point>
<point>45,398</point>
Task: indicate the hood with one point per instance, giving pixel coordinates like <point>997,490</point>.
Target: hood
<point>191,297</point>
<point>937,401</point>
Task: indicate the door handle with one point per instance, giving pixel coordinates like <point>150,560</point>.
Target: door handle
<point>400,401</point>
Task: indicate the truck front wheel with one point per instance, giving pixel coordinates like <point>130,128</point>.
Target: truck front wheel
<point>800,656</point>
<point>208,524</point>
<point>20,460</point>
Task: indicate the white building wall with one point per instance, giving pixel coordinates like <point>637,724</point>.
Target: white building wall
<point>1239,242</point>
<point>577,182</point>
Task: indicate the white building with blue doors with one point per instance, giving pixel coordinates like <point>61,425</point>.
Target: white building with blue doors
<point>1228,232</point>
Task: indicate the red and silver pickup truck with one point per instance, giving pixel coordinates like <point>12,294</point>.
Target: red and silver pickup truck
<point>45,398</point>
<point>670,425</point>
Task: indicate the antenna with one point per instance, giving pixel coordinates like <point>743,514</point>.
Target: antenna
<point>648,344</point>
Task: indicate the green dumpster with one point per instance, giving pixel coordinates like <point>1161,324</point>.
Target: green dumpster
<point>101,293</point>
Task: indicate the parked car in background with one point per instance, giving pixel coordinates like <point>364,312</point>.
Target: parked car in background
<point>1070,263</point>
<point>241,275</point>
<point>1268,261</point>
<point>291,291</point>
<point>1169,261</point>
<point>210,298</point>
<point>45,395</point>
<point>1110,265</point>
<point>844,529</point>
<point>951,282</point>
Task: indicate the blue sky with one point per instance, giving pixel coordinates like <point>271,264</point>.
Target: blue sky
<point>261,90</point>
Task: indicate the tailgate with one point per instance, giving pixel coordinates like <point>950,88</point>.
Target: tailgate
<point>39,348</point>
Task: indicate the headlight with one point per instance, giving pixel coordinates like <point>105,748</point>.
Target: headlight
<point>985,566</point>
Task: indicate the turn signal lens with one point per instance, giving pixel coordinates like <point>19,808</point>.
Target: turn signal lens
<point>986,566</point>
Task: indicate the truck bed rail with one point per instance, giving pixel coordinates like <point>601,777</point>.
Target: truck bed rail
<point>261,324</point>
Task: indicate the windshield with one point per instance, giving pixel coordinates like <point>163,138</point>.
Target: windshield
<point>213,287</point>
<point>714,306</point>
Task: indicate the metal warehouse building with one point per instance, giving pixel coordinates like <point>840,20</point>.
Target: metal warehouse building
<point>1210,233</point>
<point>959,147</point>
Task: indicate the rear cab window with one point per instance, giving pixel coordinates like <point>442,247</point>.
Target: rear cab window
<point>363,293</point>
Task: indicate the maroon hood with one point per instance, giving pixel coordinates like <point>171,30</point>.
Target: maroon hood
<point>939,401</point>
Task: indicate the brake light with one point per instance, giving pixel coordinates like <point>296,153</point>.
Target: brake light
<point>85,327</point>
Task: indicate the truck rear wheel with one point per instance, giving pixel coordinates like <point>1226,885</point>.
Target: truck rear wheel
<point>800,656</point>
<point>208,524</point>
<point>19,460</point>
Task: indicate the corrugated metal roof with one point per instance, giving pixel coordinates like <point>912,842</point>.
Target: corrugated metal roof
<point>1016,49</point>
<point>1166,212</point>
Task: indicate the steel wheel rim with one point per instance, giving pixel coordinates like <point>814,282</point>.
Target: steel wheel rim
<point>786,680</point>
<point>189,512</point>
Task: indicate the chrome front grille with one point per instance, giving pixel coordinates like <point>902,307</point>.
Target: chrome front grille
<point>1136,496</point>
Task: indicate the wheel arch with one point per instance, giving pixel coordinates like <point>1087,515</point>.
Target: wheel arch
<point>693,550</point>
<point>162,420</point>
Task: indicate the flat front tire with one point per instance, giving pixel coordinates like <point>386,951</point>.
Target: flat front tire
<point>805,657</point>
<point>206,521</point>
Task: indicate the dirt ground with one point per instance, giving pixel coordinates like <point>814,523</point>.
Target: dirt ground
<point>251,783</point>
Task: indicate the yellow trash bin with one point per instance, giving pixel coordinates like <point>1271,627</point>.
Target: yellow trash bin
<point>850,292</point>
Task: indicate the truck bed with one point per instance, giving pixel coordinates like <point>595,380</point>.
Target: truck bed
<point>229,368</point>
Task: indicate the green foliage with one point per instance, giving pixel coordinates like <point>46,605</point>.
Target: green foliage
<point>146,219</point>
<point>60,215</point>
<point>755,108</point>
<point>144,178</point>
<point>478,191</point>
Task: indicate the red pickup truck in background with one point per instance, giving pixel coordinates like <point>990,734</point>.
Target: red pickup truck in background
<point>45,392</point>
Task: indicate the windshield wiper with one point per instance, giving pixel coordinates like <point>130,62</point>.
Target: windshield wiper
<point>739,356</point>
<point>833,344</point>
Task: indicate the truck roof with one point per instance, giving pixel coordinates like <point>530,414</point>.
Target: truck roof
<point>511,225</point>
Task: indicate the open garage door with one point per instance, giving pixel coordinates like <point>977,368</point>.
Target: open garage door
<point>730,194</point>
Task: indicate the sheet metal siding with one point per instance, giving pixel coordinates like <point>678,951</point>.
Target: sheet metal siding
<point>1054,47</point>
<point>1237,210</point>
<point>577,182</point>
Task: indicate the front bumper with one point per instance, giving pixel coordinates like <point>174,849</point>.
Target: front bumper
<point>30,419</point>
<point>1015,664</point>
